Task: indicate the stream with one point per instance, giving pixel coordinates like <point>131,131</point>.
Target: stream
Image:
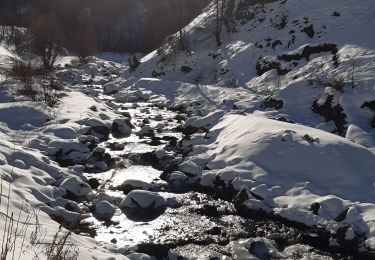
<point>197,224</point>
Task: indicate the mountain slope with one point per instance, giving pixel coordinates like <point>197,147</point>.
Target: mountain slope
<point>322,58</point>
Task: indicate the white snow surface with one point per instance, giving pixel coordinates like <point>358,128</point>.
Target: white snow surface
<point>293,166</point>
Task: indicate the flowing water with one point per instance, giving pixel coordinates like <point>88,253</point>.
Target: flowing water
<point>196,224</point>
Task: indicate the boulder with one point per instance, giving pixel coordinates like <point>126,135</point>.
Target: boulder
<point>121,127</point>
<point>130,185</point>
<point>143,200</point>
<point>111,88</point>
<point>76,186</point>
<point>190,168</point>
<point>105,210</point>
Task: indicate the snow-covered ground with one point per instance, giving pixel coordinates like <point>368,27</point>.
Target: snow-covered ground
<point>309,63</point>
<point>283,109</point>
<point>35,183</point>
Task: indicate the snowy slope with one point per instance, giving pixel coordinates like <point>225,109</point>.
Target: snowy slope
<point>31,185</point>
<point>283,52</point>
<point>309,63</point>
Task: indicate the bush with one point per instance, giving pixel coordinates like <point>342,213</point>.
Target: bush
<point>23,72</point>
<point>46,40</point>
<point>50,94</point>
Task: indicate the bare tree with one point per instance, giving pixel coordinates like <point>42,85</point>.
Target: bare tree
<point>83,44</point>
<point>46,40</point>
<point>220,6</point>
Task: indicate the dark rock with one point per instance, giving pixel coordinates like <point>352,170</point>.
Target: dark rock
<point>94,108</point>
<point>186,69</point>
<point>314,208</point>
<point>215,231</point>
<point>331,111</point>
<point>271,103</point>
<point>309,31</point>
<point>349,245</point>
<point>310,50</point>
<point>126,114</point>
<point>188,130</point>
<point>209,211</point>
<point>370,105</point>
<point>103,132</point>
<point>262,66</point>
<point>335,13</point>
<point>156,74</point>
<point>276,43</point>
<point>342,215</point>
<point>122,127</point>
<point>157,250</point>
<point>94,183</point>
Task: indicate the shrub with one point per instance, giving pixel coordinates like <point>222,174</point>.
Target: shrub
<point>23,72</point>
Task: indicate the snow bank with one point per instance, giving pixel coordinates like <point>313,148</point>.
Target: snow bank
<point>290,168</point>
<point>278,153</point>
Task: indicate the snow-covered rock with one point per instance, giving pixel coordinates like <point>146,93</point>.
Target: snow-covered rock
<point>140,199</point>
<point>190,168</point>
<point>105,210</point>
<point>111,88</point>
<point>130,185</point>
<point>76,186</point>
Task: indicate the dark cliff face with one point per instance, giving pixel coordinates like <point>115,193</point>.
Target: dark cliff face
<point>119,25</point>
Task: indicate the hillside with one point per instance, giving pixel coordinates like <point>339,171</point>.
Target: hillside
<point>255,143</point>
<point>307,63</point>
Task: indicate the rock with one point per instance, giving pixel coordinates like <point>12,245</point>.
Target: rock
<point>94,183</point>
<point>130,185</point>
<point>101,131</point>
<point>314,208</point>
<point>346,237</point>
<point>126,114</point>
<point>76,186</point>
<point>242,196</point>
<point>177,180</point>
<point>158,117</point>
<point>159,251</point>
<point>90,141</point>
<point>271,103</point>
<point>97,154</point>
<point>146,131</point>
<point>209,211</point>
<point>105,210</point>
<point>111,88</point>
<point>160,153</point>
<point>330,110</point>
<point>309,30</point>
<point>121,127</point>
<point>116,146</point>
<point>96,167</point>
<point>145,200</point>
<point>186,69</point>
<point>214,231</point>
<point>190,168</point>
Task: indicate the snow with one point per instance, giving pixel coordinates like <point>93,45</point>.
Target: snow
<point>291,167</point>
<point>22,116</point>
<point>278,153</point>
<point>286,167</point>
